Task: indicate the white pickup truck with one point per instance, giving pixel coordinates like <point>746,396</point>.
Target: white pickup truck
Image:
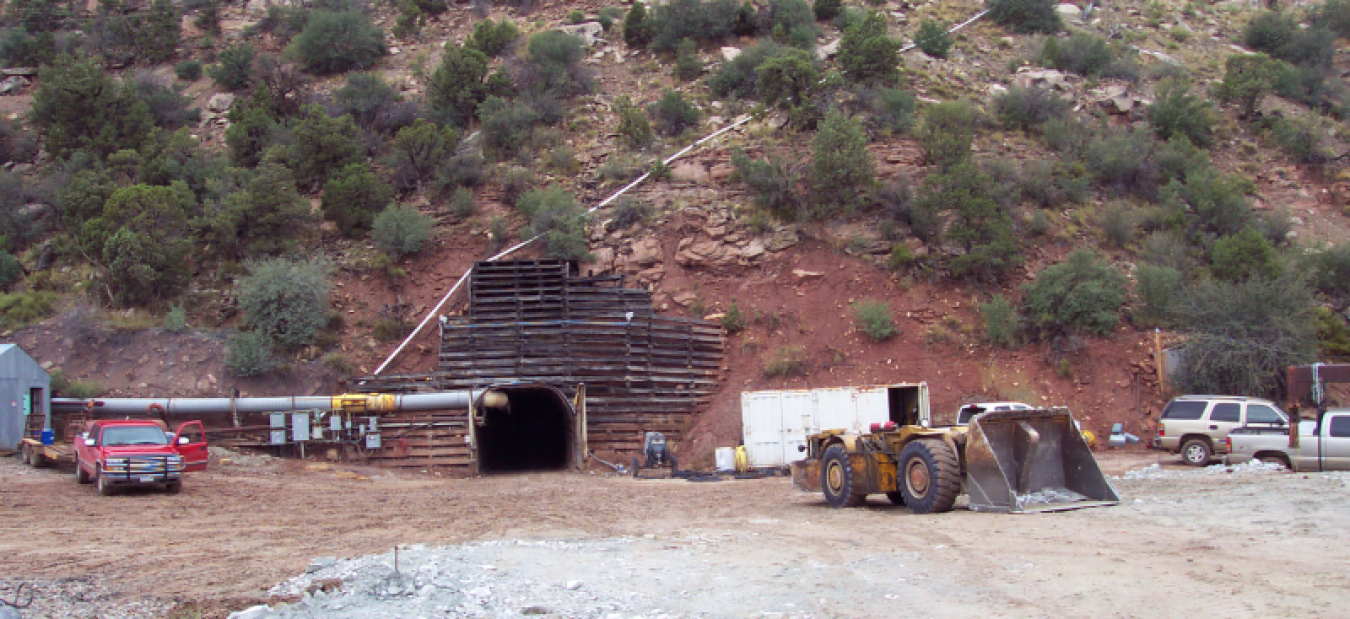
<point>1323,446</point>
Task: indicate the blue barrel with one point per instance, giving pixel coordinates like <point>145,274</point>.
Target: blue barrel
<point>48,437</point>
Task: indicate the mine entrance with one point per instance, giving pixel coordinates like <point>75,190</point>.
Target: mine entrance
<point>535,431</point>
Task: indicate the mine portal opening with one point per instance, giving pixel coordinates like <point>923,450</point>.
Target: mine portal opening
<point>535,431</point>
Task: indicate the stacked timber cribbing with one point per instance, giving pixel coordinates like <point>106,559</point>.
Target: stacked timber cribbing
<point>534,321</point>
<point>538,322</point>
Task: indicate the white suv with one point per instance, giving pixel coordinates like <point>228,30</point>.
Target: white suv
<point>1196,425</point>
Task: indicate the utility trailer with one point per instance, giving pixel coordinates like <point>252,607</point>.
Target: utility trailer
<point>1006,461</point>
<point>776,423</point>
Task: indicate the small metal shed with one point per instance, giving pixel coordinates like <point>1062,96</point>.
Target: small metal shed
<point>25,388</point>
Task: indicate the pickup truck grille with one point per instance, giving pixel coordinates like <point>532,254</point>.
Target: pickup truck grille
<point>134,467</point>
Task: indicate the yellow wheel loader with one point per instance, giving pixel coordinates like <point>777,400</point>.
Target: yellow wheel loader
<point>1006,461</point>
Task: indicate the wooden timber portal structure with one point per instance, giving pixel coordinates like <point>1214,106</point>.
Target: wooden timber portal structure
<point>539,322</point>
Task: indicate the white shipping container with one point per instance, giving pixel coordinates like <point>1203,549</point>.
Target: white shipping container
<point>775,423</point>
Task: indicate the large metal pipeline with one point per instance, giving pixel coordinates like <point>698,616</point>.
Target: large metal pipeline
<point>354,403</point>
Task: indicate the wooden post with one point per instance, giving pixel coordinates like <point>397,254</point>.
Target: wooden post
<point>1158,361</point>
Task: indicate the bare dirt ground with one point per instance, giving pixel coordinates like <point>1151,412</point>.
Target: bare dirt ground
<point>1238,544</point>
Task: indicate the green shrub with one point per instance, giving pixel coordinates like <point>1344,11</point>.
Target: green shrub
<point>321,145</point>
<point>555,214</point>
<point>1028,108</point>
<point>553,66</point>
<point>732,319</point>
<point>352,196</point>
<point>738,76</point>
<point>10,270</point>
<point>63,387</point>
<point>286,300</point>
<point>788,21</point>
<point>1026,16</point>
<point>77,106</point>
<point>787,79</point>
<point>843,171</point>
<point>1213,202</point>
<point>22,308</point>
<point>515,182</point>
<point>1119,222</point>
<point>1329,271</point>
<point>188,70</point>
<point>1158,289</point>
<point>1244,255</point>
<point>1241,336</point>
<point>417,151</point>
<point>607,16</point>
<point>673,114</point>
<point>458,85</point>
<point>1090,55</point>
<point>946,134</point>
<point>933,39</point>
<point>1176,111</point>
<point>1126,161</point>
<point>867,53</point>
<point>633,127</point>
<point>637,29</point>
<point>874,319</point>
<point>786,361</point>
<point>401,230</point>
<point>1333,337</point>
<point>338,42</point>
<point>235,68</point>
<point>826,10</point>
<point>1179,159</point>
<point>167,105</point>
<point>463,169</point>
<point>701,20</point>
<point>1247,79</point>
<point>576,16</point>
<point>365,96</point>
<point>774,182</point>
<point>175,320</point>
<point>1303,140</point>
<point>21,48</point>
<point>891,110</point>
<point>1000,321</point>
<point>1083,294</point>
<point>1334,14</point>
<point>506,125</point>
<point>249,354</point>
<point>629,212</point>
<point>462,203</point>
<point>410,20</point>
<point>688,66</point>
<point>492,38</point>
<point>266,216</point>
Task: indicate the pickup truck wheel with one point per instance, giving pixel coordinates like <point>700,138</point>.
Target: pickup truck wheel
<point>897,497</point>
<point>836,478</point>
<point>174,487</point>
<point>1196,452</point>
<point>930,476</point>
<point>1275,460</point>
<point>105,487</point>
<point>81,477</point>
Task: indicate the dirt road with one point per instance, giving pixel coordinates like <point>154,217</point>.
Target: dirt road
<point>1234,544</point>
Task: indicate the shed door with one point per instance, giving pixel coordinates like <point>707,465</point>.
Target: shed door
<point>798,420</point>
<point>761,414</point>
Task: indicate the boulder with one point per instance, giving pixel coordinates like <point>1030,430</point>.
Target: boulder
<point>646,253</point>
<point>1070,12</point>
<point>704,254</point>
<point>13,85</point>
<point>588,32</point>
<point>781,239</point>
<point>1028,77</point>
<point>828,50</point>
<point>730,53</point>
<point>220,102</point>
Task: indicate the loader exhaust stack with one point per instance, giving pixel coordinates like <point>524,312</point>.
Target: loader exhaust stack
<point>1032,461</point>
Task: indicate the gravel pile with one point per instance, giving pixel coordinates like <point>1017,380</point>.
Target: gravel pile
<point>87,596</point>
<point>1156,471</point>
<point>221,455</point>
<point>610,578</point>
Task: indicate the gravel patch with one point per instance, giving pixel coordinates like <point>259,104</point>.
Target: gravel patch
<point>86,596</point>
<point>1251,467</point>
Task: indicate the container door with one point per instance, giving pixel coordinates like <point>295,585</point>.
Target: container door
<point>797,421</point>
<point>190,441</point>
<point>873,406</point>
<point>836,409</point>
<point>762,420</point>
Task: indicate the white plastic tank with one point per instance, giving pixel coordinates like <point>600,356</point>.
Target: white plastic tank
<point>725,458</point>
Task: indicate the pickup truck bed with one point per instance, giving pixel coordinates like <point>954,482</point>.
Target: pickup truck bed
<point>1322,447</point>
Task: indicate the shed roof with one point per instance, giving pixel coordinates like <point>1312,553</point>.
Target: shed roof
<point>16,363</point>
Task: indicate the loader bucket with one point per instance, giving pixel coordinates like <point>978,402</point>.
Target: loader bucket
<point>1032,461</point>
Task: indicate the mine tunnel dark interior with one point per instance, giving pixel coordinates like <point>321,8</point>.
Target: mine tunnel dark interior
<point>534,432</point>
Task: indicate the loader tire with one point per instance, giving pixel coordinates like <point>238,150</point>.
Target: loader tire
<point>836,478</point>
<point>930,476</point>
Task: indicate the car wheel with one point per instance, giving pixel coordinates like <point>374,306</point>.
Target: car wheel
<point>81,477</point>
<point>105,487</point>
<point>1196,452</point>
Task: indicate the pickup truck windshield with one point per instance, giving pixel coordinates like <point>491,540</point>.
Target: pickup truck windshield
<point>134,435</point>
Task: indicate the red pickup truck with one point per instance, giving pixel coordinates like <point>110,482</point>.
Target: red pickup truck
<point>138,452</point>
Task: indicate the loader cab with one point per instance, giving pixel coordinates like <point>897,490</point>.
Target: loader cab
<point>969,411</point>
